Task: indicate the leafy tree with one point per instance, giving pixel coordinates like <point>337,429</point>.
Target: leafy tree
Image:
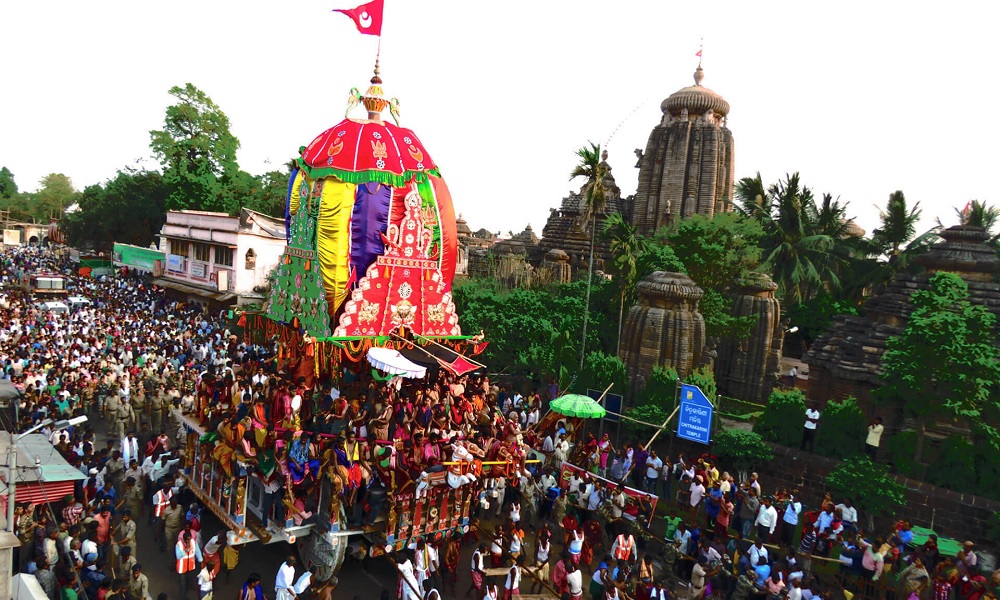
<point>955,467</point>
<point>130,208</point>
<point>197,152</point>
<point>599,371</point>
<point>55,194</point>
<point>869,485</point>
<point>946,364</point>
<point>594,169</point>
<point>8,188</point>
<point>744,450</point>
<point>537,330</point>
<point>264,193</point>
<point>626,246</point>
<point>715,251</point>
<point>841,429</point>
<point>657,257</point>
<point>783,418</point>
<point>814,316</point>
<point>654,414</point>
<point>660,390</point>
<point>703,379</point>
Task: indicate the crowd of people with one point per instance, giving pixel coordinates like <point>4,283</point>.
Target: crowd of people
<point>151,367</point>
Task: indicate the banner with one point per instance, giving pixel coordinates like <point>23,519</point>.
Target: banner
<point>12,237</point>
<point>632,495</point>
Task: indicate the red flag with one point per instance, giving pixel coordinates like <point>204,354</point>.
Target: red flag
<point>367,17</point>
<point>698,53</point>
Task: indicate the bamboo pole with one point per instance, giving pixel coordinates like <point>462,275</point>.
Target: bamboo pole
<point>662,427</point>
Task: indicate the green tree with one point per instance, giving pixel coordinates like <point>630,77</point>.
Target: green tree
<point>715,251</point>
<point>841,429</point>
<point>814,316</point>
<point>197,152</point>
<point>264,193</point>
<point>898,225</point>
<point>55,194</point>
<point>599,371</point>
<point>743,450</point>
<point>783,418</point>
<point>593,168</point>
<point>8,188</point>
<point>804,244</point>
<point>129,208</point>
<point>891,249</point>
<point>946,364</point>
<point>626,246</point>
<point>873,491</point>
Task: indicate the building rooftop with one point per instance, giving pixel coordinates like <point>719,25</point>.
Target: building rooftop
<point>38,460</point>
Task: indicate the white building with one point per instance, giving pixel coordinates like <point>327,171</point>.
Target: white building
<point>220,258</point>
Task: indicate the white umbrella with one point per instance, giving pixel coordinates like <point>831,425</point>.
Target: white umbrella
<point>394,363</point>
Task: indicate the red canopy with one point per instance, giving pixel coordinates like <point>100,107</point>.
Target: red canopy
<point>359,146</point>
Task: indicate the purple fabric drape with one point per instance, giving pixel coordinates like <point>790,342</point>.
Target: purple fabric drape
<point>368,223</point>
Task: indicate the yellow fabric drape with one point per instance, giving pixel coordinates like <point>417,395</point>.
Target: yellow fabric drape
<point>295,197</point>
<point>333,239</point>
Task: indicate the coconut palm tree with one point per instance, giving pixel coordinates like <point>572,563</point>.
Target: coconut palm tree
<point>592,168</point>
<point>626,246</point>
<point>803,244</point>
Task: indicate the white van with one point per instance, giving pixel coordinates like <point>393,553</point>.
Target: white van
<point>78,302</point>
<point>59,308</point>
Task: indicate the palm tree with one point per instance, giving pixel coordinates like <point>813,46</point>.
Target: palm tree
<point>803,244</point>
<point>892,247</point>
<point>979,214</point>
<point>626,246</point>
<point>898,225</point>
<point>592,168</point>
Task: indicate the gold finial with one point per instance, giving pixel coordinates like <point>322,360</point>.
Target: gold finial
<point>374,99</point>
<point>699,74</point>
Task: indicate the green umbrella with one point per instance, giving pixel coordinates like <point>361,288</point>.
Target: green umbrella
<point>577,405</point>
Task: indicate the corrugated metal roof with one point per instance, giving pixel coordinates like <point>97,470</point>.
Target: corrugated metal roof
<point>51,466</point>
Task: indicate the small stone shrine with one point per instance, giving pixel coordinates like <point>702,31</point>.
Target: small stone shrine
<point>748,368</point>
<point>847,359</point>
<point>664,329</point>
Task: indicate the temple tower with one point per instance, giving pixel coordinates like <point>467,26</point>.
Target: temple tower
<point>664,329</point>
<point>687,166</point>
<point>748,368</point>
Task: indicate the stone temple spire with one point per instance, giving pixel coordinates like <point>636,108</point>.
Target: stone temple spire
<point>687,166</point>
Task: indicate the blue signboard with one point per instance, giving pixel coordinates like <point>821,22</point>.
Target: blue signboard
<point>612,403</point>
<point>694,420</point>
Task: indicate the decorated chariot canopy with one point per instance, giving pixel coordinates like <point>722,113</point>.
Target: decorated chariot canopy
<point>372,240</point>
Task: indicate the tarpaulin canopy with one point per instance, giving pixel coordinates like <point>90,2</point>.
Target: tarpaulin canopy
<point>391,361</point>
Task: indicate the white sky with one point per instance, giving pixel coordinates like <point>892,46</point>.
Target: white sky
<point>862,98</point>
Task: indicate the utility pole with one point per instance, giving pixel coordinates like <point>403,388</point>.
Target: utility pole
<point>12,461</point>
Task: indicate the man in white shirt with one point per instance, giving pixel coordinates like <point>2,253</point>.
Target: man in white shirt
<point>767,520</point>
<point>848,514</point>
<point>285,580</point>
<point>756,551</point>
<point>809,429</point>
<point>790,520</point>
<point>874,438</point>
<point>653,466</point>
